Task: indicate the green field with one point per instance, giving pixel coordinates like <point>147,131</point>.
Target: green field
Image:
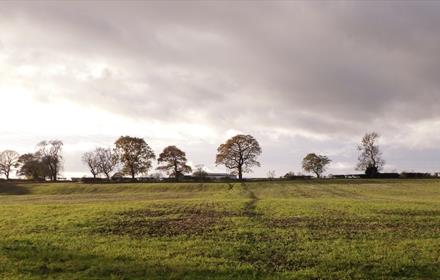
<point>362,229</point>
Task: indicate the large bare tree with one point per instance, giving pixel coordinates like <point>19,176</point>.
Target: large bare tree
<point>92,161</point>
<point>173,161</point>
<point>370,158</point>
<point>8,160</point>
<point>135,155</point>
<point>50,153</point>
<point>107,161</point>
<point>315,163</point>
<point>239,154</point>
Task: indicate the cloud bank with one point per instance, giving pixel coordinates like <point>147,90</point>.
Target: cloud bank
<point>300,76</point>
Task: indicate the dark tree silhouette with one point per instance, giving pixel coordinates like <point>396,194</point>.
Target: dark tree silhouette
<point>200,172</point>
<point>173,161</point>
<point>370,158</point>
<point>239,154</point>
<point>32,167</point>
<point>50,154</point>
<point>135,155</point>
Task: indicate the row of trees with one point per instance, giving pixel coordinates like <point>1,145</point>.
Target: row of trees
<point>370,158</point>
<point>45,162</point>
<point>132,156</point>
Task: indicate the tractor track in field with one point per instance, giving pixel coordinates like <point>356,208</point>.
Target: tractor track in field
<point>250,206</point>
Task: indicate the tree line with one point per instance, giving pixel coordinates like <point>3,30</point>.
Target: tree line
<point>132,156</point>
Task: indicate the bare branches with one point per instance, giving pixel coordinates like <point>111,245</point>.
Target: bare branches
<point>8,160</point>
<point>50,154</point>
<point>101,161</point>
<point>92,161</point>
<point>107,161</point>
<point>370,158</point>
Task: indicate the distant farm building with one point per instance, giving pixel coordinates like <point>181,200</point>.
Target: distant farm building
<point>219,176</point>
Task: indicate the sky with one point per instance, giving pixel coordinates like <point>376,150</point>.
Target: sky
<point>300,77</point>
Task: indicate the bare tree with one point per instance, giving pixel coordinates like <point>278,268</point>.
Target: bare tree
<point>370,158</point>
<point>135,155</point>
<point>173,161</point>
<point>8,161</point>
<point>92,161</point>
<point>315,163</point>
<point>239,154</point>
<point>271,174</point>
<point>50,153</point>
<point>107,161</point>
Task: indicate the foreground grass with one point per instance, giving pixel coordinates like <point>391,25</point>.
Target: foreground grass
<point>374,229</point>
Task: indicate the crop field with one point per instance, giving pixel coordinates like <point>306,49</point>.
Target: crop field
<point>365,229</point>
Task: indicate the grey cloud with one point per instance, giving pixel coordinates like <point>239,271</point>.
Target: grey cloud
<point>296,55</point>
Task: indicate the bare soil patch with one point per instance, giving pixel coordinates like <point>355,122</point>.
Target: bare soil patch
<point>156,223</point>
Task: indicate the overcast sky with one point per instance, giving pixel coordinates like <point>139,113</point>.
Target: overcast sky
<point>299,76</point>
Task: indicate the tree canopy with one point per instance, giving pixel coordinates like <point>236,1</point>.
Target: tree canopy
<point>173,161</point>
<point>315,163</point>
<point>50,154</point>
<point>135,155</point>
<point>31,166</point>
<point>239,154</point>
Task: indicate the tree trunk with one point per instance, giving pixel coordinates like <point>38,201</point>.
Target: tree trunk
<point>240,173</point>
<point>55,171</point>
<point>176,172</point>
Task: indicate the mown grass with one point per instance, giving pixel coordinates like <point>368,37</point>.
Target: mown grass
<point>359,229</point>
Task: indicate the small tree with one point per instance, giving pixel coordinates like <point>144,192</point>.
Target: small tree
<point>271,174</point>
<point>92,161</point>
<point>173,161</point>
<point>156,176</point>
<point>315,163</point>
<point>239,154</point>
<point>135,155</point>
<point>50,154</point>
<point>200,173</point>
<point>107,161</point>
<point>8,160</point>
<point>370,158</point>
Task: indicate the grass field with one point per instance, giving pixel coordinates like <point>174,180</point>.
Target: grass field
<point>374,229</point>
